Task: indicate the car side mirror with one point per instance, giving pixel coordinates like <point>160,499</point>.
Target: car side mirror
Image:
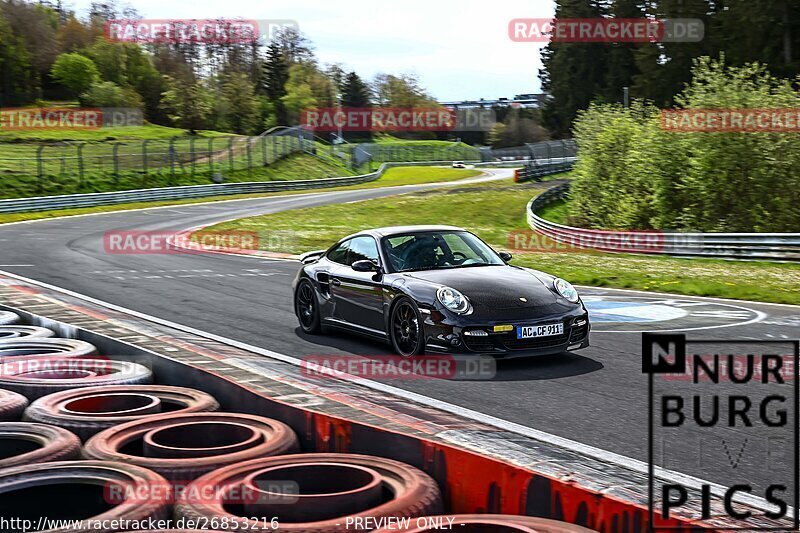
<point>505,256</point>
<point>365,265</point>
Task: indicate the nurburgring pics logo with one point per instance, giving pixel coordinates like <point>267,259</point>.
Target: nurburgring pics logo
<point>776,120</point>
<point>69,118</point>
<point>195,31</point>
<point>738,412</point>
<point>605,30</point>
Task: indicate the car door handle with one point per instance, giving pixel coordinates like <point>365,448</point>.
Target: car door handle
<point>335,282</point>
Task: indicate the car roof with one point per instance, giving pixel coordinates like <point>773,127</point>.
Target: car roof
<point>399,230</point>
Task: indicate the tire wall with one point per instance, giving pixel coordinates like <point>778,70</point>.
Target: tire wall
<point>493,486</point>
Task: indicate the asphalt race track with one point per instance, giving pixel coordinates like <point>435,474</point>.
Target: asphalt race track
<point>597,396</point>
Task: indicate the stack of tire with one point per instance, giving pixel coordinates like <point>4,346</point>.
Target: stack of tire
<point>87,438</point>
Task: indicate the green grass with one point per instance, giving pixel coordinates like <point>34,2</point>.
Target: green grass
<point>556,212</point>
<point>147,131</point>
<point>414,175</point>
<point>392,177</point>
<point>496,212</point>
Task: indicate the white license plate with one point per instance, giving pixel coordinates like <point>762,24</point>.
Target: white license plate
<point>547,330</point>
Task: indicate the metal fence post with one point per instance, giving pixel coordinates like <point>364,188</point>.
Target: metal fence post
<point>263,151</point>
<point>191,153</point>
<point>40,167</point>
<point>210,154</point>
<point>249,154</point>
<point>80,165</point>
<point>230,152</point>
<point>115,158</point>
<point>172,159</point>
<point>144,156</point>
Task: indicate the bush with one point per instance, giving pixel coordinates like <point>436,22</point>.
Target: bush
<point>109,94</point>
<point>75,72</point>
<point>632,174</point>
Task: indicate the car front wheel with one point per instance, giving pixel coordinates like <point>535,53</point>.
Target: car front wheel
<point>305,303</point>
<point>406,329</point>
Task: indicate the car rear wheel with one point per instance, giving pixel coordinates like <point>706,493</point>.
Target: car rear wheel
<point>406,331</point>
<point>306,308</point>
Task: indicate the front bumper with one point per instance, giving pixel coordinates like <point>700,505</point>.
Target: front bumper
<point>446,336</point>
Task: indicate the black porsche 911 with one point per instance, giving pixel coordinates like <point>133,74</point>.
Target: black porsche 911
<point>438,289</point>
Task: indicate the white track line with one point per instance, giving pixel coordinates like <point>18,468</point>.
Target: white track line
<point>513,427</point>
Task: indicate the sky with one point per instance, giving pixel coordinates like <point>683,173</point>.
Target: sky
<point>459,49</point>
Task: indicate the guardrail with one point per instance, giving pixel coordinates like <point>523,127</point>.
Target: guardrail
<point>749,246</point>
<point>534,170</point>
<point>71,201</point>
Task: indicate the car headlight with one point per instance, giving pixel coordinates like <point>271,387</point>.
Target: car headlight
<point>453,300</point>
<point>565,289</point>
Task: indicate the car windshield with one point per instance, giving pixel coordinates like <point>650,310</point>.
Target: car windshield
<point>433,250</point>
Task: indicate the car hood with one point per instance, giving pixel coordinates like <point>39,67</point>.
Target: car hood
<point>501,291</point>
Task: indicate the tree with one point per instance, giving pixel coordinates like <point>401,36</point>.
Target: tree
<point>276,74</point>
<point>109,94</point>
<point>187,104</point>
<point>403,90</point>
<point>298,98</point>
<point>34,27</point>
<point>573,73</point>
<point>239,108</point>
<point>336,74</point>
<point>16,72</point>
<point>355,93</point>
<point>75,72</point>
<point>496,135</point>
<point>307,73</point>
<point>73,36</point>
<point>621,61</point>
<point>294,46</point>
<point>665,73</point>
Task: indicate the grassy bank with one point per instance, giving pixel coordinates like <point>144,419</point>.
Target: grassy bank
<point>496,212</point>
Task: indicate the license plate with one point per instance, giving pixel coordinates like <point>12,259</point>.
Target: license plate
<point>547,330</point>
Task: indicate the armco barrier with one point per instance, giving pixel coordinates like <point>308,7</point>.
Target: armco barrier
<point>535,170</point>
<point>754,246</point>
<point>72,201</point>
<point>43,203</point>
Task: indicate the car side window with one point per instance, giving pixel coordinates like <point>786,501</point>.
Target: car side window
<point>339,253</point>
<point>362,248</point>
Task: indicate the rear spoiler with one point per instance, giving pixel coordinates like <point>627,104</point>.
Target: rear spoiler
<point>310,257</point>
